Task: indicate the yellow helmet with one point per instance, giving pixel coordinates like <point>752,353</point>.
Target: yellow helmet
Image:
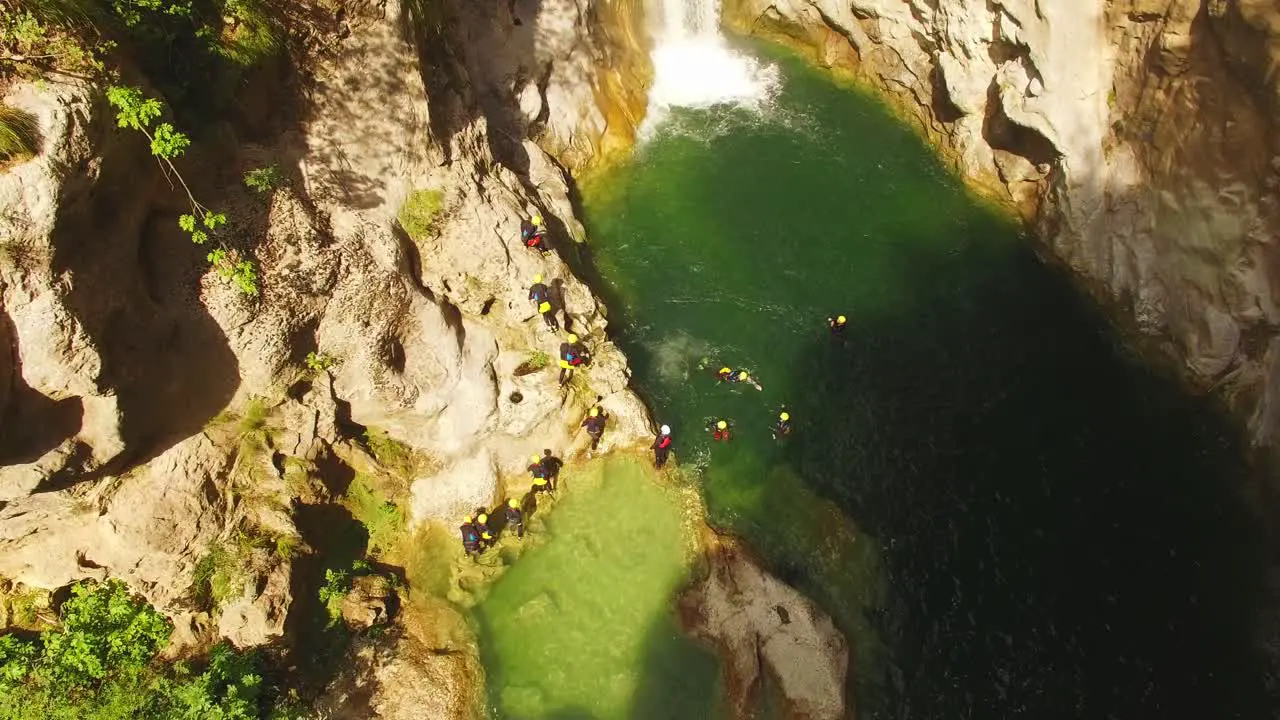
<point>482,519</point>
<point>513,503</point>
<point>466,518</point>
<point>537,218</point>
<point>840,320</point>
<point>594,412</point>
<point>535,458</point>
<point>573,338</point>
<point>537,278</point>
<point>725,370</point>
<point>785,416</point>
<point>722,425</point>
<point>743,375</point>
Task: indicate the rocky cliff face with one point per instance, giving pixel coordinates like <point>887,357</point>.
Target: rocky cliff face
<point>1140,138</point>
<point>126,363</point>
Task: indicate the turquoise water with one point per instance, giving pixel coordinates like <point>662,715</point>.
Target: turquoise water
<point>1006,514</point>
<point>582,625</point>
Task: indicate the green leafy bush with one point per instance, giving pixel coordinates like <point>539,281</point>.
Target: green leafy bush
<point>417,215</point>
<point>101,664</point>
<point>320,362</point>
<point>264,179</point>
<point>19,134</point>
<point>337,583</point>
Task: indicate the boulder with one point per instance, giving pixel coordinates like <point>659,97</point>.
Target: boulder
<point>370,602</point>
<point>762,625</point>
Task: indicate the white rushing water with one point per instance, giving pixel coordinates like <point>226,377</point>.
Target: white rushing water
<point>695,67</point>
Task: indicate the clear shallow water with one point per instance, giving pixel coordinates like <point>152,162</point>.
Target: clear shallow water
<point>582,625</point>
<point>1007,516</point>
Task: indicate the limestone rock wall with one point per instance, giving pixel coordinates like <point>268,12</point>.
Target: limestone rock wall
<point>122,352</point>
<point>1140,138</point>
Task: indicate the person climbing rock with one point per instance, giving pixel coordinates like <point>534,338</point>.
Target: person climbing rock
<point>836,325</point>
<point>572,354</point>
<point>540,295</point>
<point>594,423</point>
<point>782,427</point>
<point>719,430</point>
<point>534,234</point>
<point>742,376</point>
<point>470,536</point>
<point>662,446</point>
<point>515,517</point>
<point>482,526</point>
<point>724,374</point>
<point>539,473</point>
<point>551,466</point>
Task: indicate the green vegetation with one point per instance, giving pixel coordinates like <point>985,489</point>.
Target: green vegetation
<point>19,134</point>
<point>320,362</point>
<point>101,665</point>
<point>264,179</point>
<point>538,360</point>
<point>417,215</point>
<point>392,454</point>
<point>251,37</point>
<point>138,112</point>
<point>220,574</point>
<point>383,519</point>
<point>253,421</point>
<point>337,583</point>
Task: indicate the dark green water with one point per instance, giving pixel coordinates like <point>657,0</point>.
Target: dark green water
<point>1008,516</point>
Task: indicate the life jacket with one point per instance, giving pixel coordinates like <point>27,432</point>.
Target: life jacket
<point>539,294</point>
<point>664,442</point>
<point>594,425</point>
<point>720,434</point>
<point>514,516</point>
<point>533,240</point>
<point>538,470</point>
<point>576,355</point>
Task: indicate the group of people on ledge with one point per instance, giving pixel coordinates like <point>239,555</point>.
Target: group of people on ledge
<point>479,535</point>
<point>721,428</point>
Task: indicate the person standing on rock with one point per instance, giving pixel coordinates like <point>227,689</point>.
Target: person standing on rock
<point>539,473</point>
<point>540,295</point>
<point>482,527</point>
<point>572,354</point>
<point>662,446</point>
<point>470,536</point>
<point>533,233</point>
<point>594,423</point>
<point>551,466</point>
<point>515,517</point>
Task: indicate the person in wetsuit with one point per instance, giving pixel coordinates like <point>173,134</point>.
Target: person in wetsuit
<point>539,472</point>
<point>594,423</point>
<point>540,295</point>
<point>836,323</point>
<point>719,430</point>
<point>572,354</point>
<point>482,527</point>
<point>551,466</point>
<point>662,446</point>
<point>470,536</point>
<point>742,376</point>
<point>515,517</point>
<point>724,374</point>
<point>534,234</point>
<point>782,427</point>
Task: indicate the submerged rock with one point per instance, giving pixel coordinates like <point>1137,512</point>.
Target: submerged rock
<point>762,625</point>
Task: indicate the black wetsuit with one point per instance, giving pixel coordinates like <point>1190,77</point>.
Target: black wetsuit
<point>470,538</point>
<point>551,465</point>
<point>595,428</point>
<point>661,449</point>
<point>541,295</point>
<point>539,472</point>
<point>515,520</point>
<point>486,533</point>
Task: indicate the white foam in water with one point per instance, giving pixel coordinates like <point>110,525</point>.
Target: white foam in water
<point>693,66</point>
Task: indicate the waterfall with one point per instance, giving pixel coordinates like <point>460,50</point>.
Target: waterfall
<point>693,65</point>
